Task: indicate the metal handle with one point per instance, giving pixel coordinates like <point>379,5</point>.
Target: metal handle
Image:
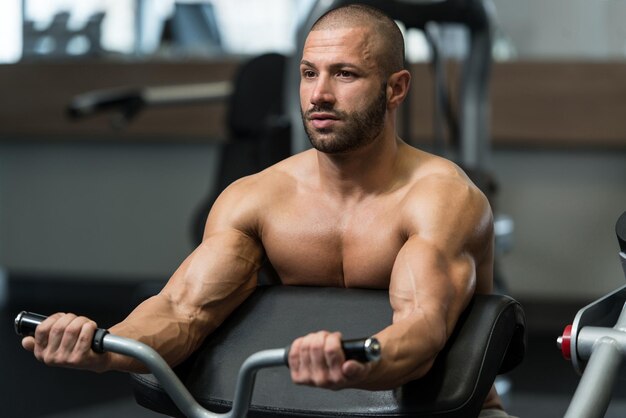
<point>366,349</point>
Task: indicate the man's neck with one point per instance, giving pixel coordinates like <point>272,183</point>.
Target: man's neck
<point>361,173</point>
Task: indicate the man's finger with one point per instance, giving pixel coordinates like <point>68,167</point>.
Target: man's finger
<point>294,356</point>
<point>85,338</point>
<point>43,330</point>
<point>28,343</point>
<point>353,370</point>
<point>317,344</point>
<point>305,354</point>
<point>72,333</point>
<point>57,330</point>
<point>333,351</point>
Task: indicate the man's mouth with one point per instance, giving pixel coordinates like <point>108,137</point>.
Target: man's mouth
<point>322,120</point>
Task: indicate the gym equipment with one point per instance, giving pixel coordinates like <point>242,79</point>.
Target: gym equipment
<point>595,344</point>
<point>488,339</point>
<point>258,132</point>
<point>362,350</point>
<point>128,102</point>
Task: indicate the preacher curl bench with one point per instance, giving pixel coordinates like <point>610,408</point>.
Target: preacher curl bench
<point>489,339</point>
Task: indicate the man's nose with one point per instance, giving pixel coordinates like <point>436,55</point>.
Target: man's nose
<point>322,92</point>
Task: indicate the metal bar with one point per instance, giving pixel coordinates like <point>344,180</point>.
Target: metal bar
<point>474,110</point>
<point>593,393</point>
<point>604,313</point>
<point>247,374</point>
<point>604,347</point>
<point>187,93</point>
<point>161,370</point>
<point>589,337</point>
<point>177,390</point>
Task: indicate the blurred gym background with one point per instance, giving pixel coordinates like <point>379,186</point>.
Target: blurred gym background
<point>96,213</point>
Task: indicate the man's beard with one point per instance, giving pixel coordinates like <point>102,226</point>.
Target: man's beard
<point>359,129</point>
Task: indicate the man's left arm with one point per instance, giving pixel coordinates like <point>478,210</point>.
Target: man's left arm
<point>433,279</point>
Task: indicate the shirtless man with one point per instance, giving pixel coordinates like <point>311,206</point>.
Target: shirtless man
<point>360,209</point>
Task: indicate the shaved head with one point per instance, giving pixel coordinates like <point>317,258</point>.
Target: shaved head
<point>389,36</point>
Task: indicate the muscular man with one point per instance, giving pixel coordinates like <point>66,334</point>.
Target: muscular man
<point>360,209</point>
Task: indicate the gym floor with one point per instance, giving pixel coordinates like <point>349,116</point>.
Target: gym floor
<point>541,387</point>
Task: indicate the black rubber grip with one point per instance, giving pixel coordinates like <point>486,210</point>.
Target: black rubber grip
<point>362,349</point>
<point>26,323</point>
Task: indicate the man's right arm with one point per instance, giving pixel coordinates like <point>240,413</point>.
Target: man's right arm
<point>210,283</point>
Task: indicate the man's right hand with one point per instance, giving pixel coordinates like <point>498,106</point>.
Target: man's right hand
<point>64,340</point>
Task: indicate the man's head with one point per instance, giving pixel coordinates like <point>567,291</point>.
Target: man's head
<point>352,75</point>
<point>390,49</point>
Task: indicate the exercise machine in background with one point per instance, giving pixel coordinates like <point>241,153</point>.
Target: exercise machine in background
<point>595,343</point>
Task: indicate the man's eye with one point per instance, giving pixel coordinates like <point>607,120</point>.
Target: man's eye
<point>308,74</point>
<point>345,74</point>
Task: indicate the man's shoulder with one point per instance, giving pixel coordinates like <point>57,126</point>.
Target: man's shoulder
<point>433,172</point>
<point>245,203</point>
<point>275,180</point>
<point>441,189</point>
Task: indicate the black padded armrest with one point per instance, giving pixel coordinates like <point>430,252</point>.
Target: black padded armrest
<point>488,338</point>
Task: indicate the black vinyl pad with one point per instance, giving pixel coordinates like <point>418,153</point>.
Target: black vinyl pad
<point>489,338</point>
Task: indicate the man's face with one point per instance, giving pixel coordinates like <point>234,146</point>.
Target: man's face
<point>343,99</point>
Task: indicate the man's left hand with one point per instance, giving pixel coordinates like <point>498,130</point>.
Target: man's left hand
<point>318,360</point>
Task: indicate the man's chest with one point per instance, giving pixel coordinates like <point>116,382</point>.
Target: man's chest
<point>333,248</point>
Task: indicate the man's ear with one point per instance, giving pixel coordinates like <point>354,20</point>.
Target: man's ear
<point>398,85</point>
